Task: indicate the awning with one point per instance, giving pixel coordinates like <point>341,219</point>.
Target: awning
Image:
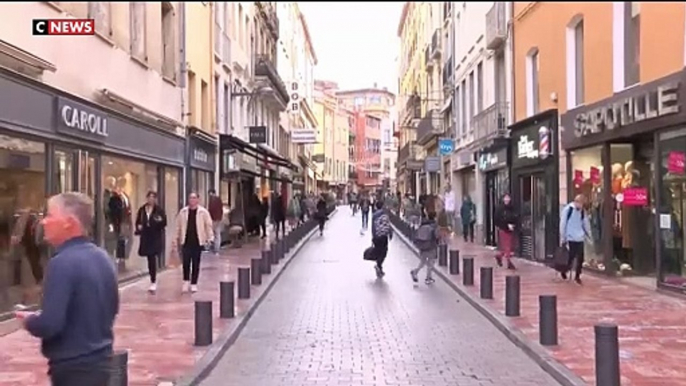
<point>227,141</point>
<point>447,105</point>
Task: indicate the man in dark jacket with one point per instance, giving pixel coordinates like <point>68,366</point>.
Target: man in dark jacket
<point>80,297</point>
<point>506,220</point>
<point>216,209</point>
<point>279,214</point>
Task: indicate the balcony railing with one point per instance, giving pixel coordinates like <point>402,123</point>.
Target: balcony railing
<point>406,152</point>
<point>264,66</point>
<point>448,72</point>
<point>413,110</point>
<point>226,48</point>
<point>268,13</point>
<point>496,26</point>
<point>491,122</point>
<point>429,126</point>
<point>427,58</point>
<point>436,44</point>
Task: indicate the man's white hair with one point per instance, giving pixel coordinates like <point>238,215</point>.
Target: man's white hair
<point>77,205</point>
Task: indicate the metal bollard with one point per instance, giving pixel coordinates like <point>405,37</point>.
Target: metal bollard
<point>287,242</point>
<point>282,249</point>
<point>244,283</point>
<point>486,284</point>
<point>607,355</point>
<point>454,261</point>
<point>468,271</point>
<point>512,296</point>
<point>256,271</point>
<point>226,299</point>
<point>266,262</point>
<point>547,320</point>
<point>119,370</point>
<point>273,252</point>
<point>442,255</point>
<point>203,322</point>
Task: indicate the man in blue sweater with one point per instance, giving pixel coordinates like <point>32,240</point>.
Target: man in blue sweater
<point>574,229</point>
<point>80,297</point>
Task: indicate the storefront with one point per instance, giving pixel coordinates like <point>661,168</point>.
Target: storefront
<point>534,173</point>
<point>53,142</point>
<point>619,151</point>
<point>464,174</point>
<point>493,166</point>
<point>201,155</point>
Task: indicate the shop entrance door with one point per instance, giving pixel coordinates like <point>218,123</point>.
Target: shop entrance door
<point>86,183</point>
<point>533,216</point>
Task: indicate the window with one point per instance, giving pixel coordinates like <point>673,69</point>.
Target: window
<point>575,62</point>
<point>192,100</point>
<point>463,113</point>
<point>100,11</point>
<point>532,89</point>
<point>168,38</point>
<point>227,108</point>
<point>242,26</point>
<point>218,111</point>
<point>632,42</point>
<point>137,30</point>
<point>470,102</point>
<point>204,105</point>
<point>458,113</point>
<point>375,99</point>
<point>479,87</point>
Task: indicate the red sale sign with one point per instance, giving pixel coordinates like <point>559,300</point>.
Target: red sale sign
<point>595,175</point>
<point>578,177</point>
<point>676,162</point>
<point>636,196</point>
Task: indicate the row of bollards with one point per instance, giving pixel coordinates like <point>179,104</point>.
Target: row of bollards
<point>606,335</point>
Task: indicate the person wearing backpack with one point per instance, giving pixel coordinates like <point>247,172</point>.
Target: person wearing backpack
<point>574,230</point>
<point>426,239</point>
<point>381,233</point>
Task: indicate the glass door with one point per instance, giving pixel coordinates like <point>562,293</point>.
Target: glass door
<point>87,183</point>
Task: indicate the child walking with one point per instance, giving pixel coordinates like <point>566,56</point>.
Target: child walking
<point>426,240</point>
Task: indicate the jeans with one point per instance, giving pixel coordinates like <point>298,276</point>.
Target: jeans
<point>381,249</point>
<point>468,231</point>
<point>191,263</point>
<point>82,375</point>
<point>280,226</point>
<point>217,226</point>
<point>152,268</point>
<point>576,251</point>
<point>427,259</point>
<point>365,219</point>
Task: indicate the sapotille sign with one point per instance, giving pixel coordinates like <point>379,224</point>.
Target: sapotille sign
<point>303,136</point>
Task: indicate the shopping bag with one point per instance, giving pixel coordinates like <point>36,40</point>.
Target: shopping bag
<point>370,254</point>
<point>174,257</point>
<point>560,261</point>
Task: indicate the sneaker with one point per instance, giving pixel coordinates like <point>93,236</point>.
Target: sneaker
<point>564,275</point>
<point>379,272</point>
<point>429,280</point>
<point>185,287</point>
<point>413,273</point>
<point>511,266</point>
<point>152,288</point>
<point>194,288</point>
<point>499,260</point>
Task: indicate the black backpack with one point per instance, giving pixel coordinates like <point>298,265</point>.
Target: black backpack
<point>569,214</point>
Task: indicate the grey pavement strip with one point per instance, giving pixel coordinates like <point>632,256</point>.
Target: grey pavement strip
<point>227,338</point>
<point>535,351</point>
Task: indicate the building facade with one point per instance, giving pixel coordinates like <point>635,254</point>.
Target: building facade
<point>620,103</point>
<point>110,127</point>
<point>344,123</point>
<point>325,110</point>
<point>222,38</point>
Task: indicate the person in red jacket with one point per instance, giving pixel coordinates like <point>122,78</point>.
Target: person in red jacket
<point>216,209</point>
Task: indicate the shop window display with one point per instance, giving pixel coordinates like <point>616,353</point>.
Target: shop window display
<point>587,179</point>
<point>125,185</point>
<point>22,203</point>
<point>673,208</point>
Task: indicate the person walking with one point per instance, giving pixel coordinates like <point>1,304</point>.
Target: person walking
<point>468,216</point>
<point>262,217</point>
<point>427,238</point>
<point>506,220</point>
<point>574,230</point>
<point>293,211</point>
<point>150,223</point>
<point>365,208</point>
<point>80,297</point>
<point>216,209</point>
<point>381,234</point>
<point>449,206</point>
<point>278,215</point>
<point>193,232</point>
<point>321,214</point>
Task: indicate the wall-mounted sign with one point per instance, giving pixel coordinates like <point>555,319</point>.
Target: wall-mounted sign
<point>543,142</point>
<point>294,93</point>
<point>446,146</point>
<point>493,160</point>
<point>257,134</point>
<point>637,196</point>
<point>526,148</point>
<point>202,153</point>
<point>303,136</point>
<point>432,164</point>
<point>414,165</point>
<point>81,121</point>
<point>534,143</point>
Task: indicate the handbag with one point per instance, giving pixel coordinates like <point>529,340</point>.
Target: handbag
<point>369,254</point>
<point>561,259</point>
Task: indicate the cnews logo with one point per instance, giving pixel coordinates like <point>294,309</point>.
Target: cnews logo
<point>63,27</point>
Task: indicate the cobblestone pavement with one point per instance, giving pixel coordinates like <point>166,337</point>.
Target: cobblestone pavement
<point>329,321</point>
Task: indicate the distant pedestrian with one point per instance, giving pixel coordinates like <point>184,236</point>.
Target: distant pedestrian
<point>193,233</point>
<point>151,220</point>
<point>449,206</point>
<point>427,238</point>
<point>574,230</point>
<point>321,214</point>
<point>468,216</point>
<point>80,297</point>
<point>381,234</point>
<point>216,209</point>
<point>278,213</point>
<point>506,220</point>
<point>262,217</point>
<point>365,208</point>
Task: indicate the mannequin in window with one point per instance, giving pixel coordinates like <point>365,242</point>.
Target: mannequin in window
<point>617,178</point>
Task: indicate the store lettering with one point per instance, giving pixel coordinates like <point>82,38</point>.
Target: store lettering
<point>627,111</point>
<point>84,121</point>
<point>200,156</point>
<point>526,148</point>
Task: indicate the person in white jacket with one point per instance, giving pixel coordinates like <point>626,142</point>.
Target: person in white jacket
<point>194,232</point>
<point>449,206</point>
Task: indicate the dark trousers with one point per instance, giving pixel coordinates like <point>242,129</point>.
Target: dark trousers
<point>468,231</point>
<point>321,221</point>
<point>381,249</point>
<point>81,375</point>
<point>152,268</point>
<point>191,263</point>
<point>576,251</point>
<point>365,219</point>
<point>280,226</point>
<point>263,226</point>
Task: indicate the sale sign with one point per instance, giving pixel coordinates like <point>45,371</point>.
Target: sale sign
<point>595,175</point>
<point>578,177</point>
<point>636,196</point>
<point>676,162</point>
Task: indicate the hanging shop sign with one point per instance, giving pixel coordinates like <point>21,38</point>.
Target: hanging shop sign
<point>432,164</point>
<point>303,136</point>
<point>676,162</point>
<point>257,134</point>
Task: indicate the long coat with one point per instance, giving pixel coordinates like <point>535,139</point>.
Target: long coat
<point>151,230</point>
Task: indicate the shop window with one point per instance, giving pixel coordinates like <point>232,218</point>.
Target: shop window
<point>125,184</point>
<point>587,179</point>
<point>201,183</point>
<point>22,205</point>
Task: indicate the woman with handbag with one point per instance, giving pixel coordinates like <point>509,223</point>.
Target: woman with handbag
<point>150,223</point>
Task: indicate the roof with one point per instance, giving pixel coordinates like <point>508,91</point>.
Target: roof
<point>370,90</point>
<point>403,18</point>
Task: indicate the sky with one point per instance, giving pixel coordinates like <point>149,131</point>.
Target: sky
<point>356,42</point>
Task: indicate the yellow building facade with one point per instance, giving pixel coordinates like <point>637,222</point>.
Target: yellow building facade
<point>325,107</point>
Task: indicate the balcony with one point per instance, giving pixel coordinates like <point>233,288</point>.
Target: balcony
<point>448,73</point>
<point>436,44</point>
<point>427,58</point>
<point>266,74</point>
<point>430,126</point>
<point>267,12</point>
<point>406,152</point>
<point>413,111</point>
<point>496,26</point>
<point>352,176</point>
<point>491,123</point>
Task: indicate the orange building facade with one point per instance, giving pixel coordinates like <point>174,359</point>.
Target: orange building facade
<point>599,105</point>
